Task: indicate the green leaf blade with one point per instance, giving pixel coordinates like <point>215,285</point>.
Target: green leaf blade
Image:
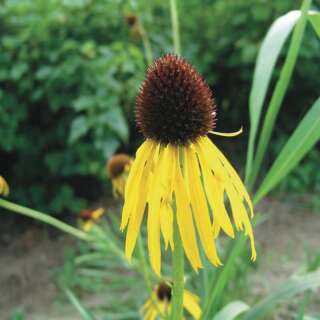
<point>283,293</point>
<point>231,311</point>
<point>302,140</point>
<point>266,60</point>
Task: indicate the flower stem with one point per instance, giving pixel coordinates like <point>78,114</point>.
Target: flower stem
<point>178,274</point>
<point>146,44</point>
<point>175,26</point>
<point>45,218</point>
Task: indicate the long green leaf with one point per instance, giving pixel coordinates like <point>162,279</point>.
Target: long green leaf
<point>85,314</point>
<point>283,293</point>
<point>302,140</point>
<point>231,311</point>
<point>279,91</point>
<point>314,18</point>
<point>267,58</point>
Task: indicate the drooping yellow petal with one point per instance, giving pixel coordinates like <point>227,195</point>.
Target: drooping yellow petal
<point>184,216</point>
<point>191,303</point>
<point>97,214</point>
<point>131,191</point>
<point>214,191</point>
<point>199,205</point>
<point>230,184</point>
<point>137,212</point>
<point>151,314</point>
<point>4,187</point>
<point>166,222</point>
<point>232,172</point>
<point>240,217</point>
<point>154,199</point>
<point>87,226</point>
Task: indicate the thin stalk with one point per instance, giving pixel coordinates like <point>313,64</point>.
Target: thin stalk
<point>178,274</point>
<point>280,90</point>
<point>146,44</point>
<point>175,26</point>
<point>177,254</point>
<point>37,215</point>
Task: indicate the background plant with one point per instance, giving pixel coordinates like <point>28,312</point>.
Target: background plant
<point>70,70</point>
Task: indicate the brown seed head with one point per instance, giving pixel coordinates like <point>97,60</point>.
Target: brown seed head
<point>85,214</point>
<point>131,20</point>
<point>174,105</point>
<point>117,164</point>
<point>164,291</point>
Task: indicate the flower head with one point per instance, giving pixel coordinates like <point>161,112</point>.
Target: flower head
<point>118,168</point>
<point>175,105</point>
<point>4,188</point>
<point>90,217</point>
<point>160,302</point>
<point>179,167</point>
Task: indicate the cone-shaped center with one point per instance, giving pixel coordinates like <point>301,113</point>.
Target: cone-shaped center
<point>164,292</point>
<point>117,164</point>
<point>174,105</point>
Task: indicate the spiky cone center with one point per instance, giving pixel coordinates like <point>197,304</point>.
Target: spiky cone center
<point>163,292</point>
<point>174,105</point>
<point>118,164</point>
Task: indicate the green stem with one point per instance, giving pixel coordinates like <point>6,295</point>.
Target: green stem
<point>177,254</point>
<point>146,45</point>
<point>45,218</point>
<point>178,274</point>
<point>280,90</point>
<point>175,26</point>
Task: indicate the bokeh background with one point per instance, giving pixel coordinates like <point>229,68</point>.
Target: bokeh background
<point>69,74</point>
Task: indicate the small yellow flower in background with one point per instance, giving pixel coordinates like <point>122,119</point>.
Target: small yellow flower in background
<point>179,165</point>
<point>4,187</point>
<point>90,217</point>
<point>118,168</point>
<point>160,302</point>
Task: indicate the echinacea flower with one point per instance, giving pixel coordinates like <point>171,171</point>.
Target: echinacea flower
<point>179,167</point>
<point>90,217</point>
<point>118,168</point>
<point>160,302</point>
<point>4,187</point>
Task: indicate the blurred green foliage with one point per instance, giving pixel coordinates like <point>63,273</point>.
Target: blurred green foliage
<point>70,71</point>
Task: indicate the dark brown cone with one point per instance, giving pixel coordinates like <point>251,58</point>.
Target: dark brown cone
<point>164,292</point>
<point>174,105</point>
<point>85,214</point>
<point>117,164</point>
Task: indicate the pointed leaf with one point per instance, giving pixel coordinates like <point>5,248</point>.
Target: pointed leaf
<point>85,314</point>
<point>314,18</point>
<point>283,293</point>
<point>267,58</point>
<point>301,141</point>
<point>231,311</point>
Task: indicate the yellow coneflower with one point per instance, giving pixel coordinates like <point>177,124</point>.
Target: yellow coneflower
<point>118,169</point>
<point>160,302</point>
<point>179,166</point>
<point>90,217</point>
<point>4,187</point>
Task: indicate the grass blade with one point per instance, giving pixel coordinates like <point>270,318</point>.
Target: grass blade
<point>231,311</point>
<point>285,292</point>
<point>280,90</point>
<point>302,140</point>
<point>85,314</point>
<point>267,58</point>
<point>314,18</point>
